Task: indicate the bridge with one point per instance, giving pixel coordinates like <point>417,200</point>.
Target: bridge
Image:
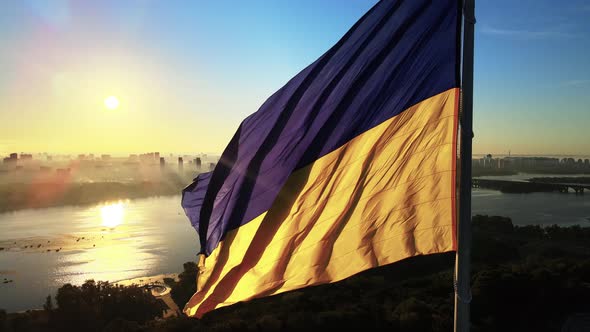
<point>508,186</point>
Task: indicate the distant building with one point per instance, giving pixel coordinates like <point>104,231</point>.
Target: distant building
<point>63,171</point>
<point>487,161</point>
<point>162,163</point>
<point>475,163</point>
<point>211,166</point>
<point>198,163</point>
<point>148,158</point>
<point>531,162</point>
<point>11,160</point>
<point>180,164</point>
<point>105,157</point>
<point>26,156</point>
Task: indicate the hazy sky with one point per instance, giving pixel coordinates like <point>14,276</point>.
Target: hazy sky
<point>187,72</point>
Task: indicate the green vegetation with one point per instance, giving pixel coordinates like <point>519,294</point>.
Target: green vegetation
<point>524,278</point>
<point>577,179</point>
<point>560,170</point>
<point>479,171</point>
<point>186,286</point>
<point>93,306</point>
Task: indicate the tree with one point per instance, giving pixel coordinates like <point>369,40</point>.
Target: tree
<point>48,306</point>
<point>186,286</point>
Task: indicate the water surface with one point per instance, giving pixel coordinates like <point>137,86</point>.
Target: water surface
<point>115,241</point>
<point>144,237</point>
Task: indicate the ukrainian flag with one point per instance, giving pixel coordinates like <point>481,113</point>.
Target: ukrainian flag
<point>351,165</point>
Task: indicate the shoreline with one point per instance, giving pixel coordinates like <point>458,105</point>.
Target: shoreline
<point>16,197</point>
<point>24,196</point>
<point>86,204</point>
<point>157,279</point>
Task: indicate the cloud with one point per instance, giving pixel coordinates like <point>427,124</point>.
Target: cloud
<point>576,83</point>
<point>556,32</point>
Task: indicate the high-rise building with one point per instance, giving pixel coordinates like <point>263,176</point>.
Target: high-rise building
<point>180,166</point>
<point>198,163</point>
<point>162,163</point>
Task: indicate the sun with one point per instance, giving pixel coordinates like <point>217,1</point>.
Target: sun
<point>111,102</point>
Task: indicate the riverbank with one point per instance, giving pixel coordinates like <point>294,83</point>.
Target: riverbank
<point>19,196</point>
<point>577,179</point>
<point>478,171</point>
<point>534,184</point>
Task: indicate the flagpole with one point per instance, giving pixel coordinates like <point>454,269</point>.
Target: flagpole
<point>463,255</point>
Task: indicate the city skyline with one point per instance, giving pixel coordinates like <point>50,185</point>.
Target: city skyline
<point>186,76</point>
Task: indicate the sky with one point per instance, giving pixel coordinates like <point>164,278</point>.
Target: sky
<point>186,73</point>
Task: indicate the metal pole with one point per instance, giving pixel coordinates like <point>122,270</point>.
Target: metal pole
<point>463,255</point>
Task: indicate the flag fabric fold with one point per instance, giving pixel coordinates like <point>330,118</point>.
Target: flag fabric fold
<point>349,166</point>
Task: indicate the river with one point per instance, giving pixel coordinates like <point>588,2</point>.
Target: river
<point>115,241</point>
<point>144,237</point>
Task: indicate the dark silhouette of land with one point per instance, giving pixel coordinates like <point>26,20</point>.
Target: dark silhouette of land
<point>564,185</point>
<point>578,179</point>
<point>492,172</point>
<point>17,196</point>
<point>524,278</point>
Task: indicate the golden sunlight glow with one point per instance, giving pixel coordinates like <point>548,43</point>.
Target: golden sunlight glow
<point>111,102</point>
<point>112,215</point>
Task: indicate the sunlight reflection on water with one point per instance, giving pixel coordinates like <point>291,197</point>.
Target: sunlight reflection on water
<point>114,241</point>
<point>112,214</point>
